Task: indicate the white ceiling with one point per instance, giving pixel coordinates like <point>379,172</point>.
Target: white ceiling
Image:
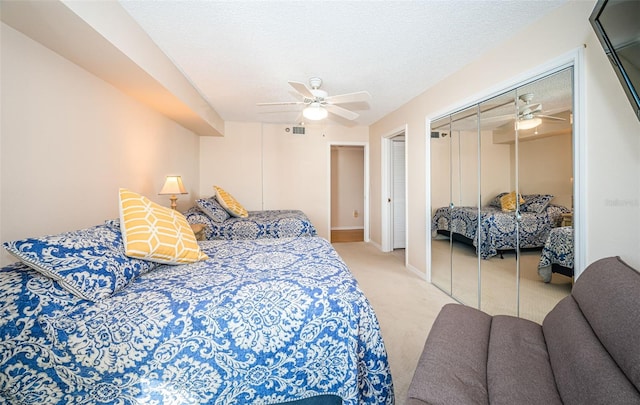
<point>239,53</point>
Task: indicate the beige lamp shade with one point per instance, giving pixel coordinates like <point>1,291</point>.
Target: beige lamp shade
<point>172,186</point>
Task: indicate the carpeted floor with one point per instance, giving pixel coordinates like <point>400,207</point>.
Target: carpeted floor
<point>498,281</point>
<point>406,305</point>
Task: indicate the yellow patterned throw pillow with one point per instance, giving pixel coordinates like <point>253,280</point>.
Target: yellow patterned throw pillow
<point>229,203</point>
<point>508,201</point>
<point>156,233</point>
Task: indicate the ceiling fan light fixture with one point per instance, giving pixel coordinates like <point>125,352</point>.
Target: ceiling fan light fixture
<point>315,112</point>
<point>528,123</point>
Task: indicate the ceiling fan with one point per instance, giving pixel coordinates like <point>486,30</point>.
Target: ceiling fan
<point>529,115</point>
<point>318,103</point>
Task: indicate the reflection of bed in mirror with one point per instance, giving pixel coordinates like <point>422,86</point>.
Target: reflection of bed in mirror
<point>497,231</point>
<point>557,254</point>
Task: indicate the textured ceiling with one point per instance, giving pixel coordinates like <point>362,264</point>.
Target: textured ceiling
<point>239,53</point>
<point>553,93</point>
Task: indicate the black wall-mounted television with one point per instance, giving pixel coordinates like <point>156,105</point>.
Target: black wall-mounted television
<point>617,25</point>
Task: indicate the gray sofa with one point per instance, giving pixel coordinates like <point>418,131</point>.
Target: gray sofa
<point>587,350</point>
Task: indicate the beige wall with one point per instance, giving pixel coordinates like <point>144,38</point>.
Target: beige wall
<point>611,141</point>
<point>546,167</point>
<point>347,187</point>
<point>265,167</point>
<point>234,163</point>
<point>70,140</point>
<point>495,168</point>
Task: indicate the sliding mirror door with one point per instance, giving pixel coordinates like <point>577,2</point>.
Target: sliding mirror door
<point>464,205</point>
<point>441,245</point>
<point>502,189</point>
<point>454,202</point>
<point>545,175</point>
<point>498,227</point>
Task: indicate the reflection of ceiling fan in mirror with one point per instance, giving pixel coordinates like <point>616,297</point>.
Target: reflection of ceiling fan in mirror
<point>530,115</point>
<point>318,103</point>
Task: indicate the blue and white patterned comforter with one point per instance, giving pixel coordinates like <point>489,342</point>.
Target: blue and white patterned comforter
<point>498,228</point>
<point>263,321</point>
<point>558,249</point>
<point>259,224</point>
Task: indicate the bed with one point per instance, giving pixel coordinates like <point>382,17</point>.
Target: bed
<point>557,254</point>
<point>261,321</point>
<point>219,224</point>
<point>497,230</point>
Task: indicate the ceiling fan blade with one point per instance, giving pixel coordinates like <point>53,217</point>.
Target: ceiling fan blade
<point>302,89</point>
<point>530,109</point>
<point>282,103</point>
<point>550,117</point>
<point>535,108</point>
<point>342,112</point>
<point>349,98</point>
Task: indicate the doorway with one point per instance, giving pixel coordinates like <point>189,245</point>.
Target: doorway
<point>349,213</point>
<point>394,234</point>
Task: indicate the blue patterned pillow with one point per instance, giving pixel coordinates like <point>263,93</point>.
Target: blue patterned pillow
<point>113,223</point>
<point>535,203</point>
<point>89,263</point>
<point>212,208</point>
<point>195,215</point>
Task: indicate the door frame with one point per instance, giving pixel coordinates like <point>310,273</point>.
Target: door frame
<point>365,145</point>
<point>386,209</point>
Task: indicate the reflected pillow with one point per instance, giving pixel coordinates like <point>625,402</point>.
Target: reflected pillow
<point>536,203</point>
<point>89,263</point>
<point>496,200</point>
<point>508,202</point>
<point>156,233</point>
<point>230,204</point>
<point>212,208</point>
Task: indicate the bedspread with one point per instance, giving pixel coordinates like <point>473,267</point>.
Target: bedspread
<point>262,321</point>
<point>259,224</point>
<point>558,249</point>
<point>498,229</point>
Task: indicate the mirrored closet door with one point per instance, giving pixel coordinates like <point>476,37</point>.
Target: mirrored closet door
<point>501,184</point>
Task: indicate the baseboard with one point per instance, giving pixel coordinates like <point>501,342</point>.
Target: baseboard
<point>415,270</point>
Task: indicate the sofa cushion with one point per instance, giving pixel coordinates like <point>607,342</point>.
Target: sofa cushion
<point>453,366</point>
<point>518,368</point>
<point>615,315</point>
<point>586,351</point>
<point>584,371</point>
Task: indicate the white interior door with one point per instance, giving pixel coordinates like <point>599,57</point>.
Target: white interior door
<point>399,192</point>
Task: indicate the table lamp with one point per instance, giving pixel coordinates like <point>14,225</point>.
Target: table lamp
<point>172,186</point>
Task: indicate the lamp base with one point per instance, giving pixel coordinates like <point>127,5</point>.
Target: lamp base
<point>173,199</point>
